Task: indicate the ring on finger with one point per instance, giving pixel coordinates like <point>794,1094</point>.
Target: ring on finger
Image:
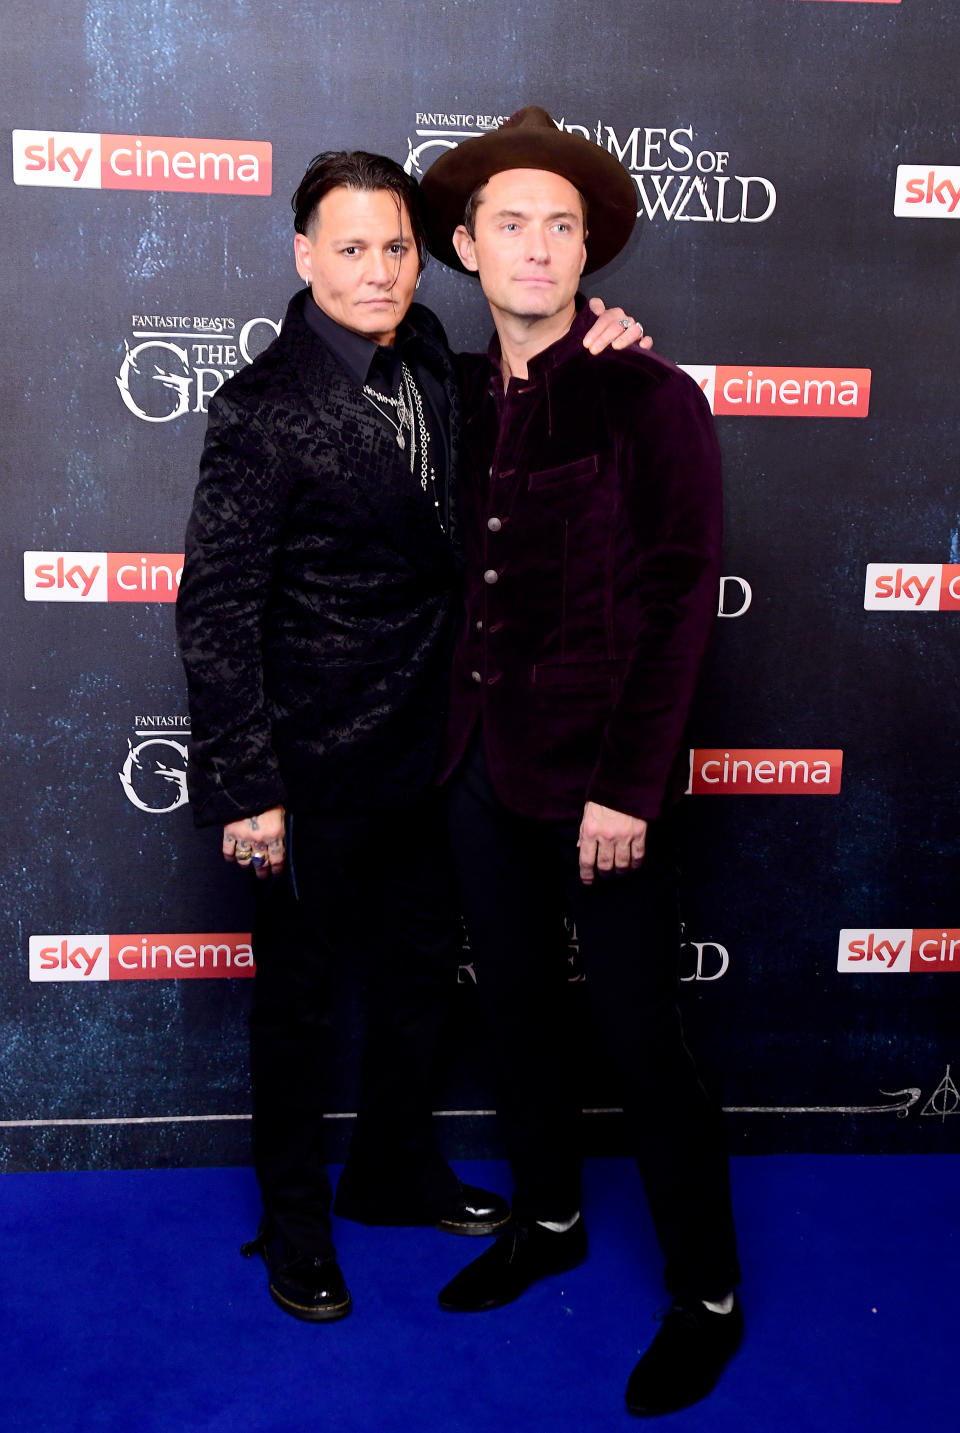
<point>625,323</point>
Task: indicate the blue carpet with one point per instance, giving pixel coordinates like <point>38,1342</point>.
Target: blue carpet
<point>126,1306</point>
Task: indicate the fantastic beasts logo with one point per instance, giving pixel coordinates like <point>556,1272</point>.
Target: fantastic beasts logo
<point>154,774</point>
<point>173,364</point>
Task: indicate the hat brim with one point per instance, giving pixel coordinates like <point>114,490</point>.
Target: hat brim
<point>602,180</point>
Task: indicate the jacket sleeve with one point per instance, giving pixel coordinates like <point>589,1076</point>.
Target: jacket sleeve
<point>672,493</point>
<point>231,546</point>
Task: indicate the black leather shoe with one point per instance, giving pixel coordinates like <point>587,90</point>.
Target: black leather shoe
<point>475,1211</point>
<point>686,1358</point>
<point>521,1256</point>
<point>467,1211</point>
<point>306,1286</point>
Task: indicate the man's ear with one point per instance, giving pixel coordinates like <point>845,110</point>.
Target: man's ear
<point>301,255</point>
<point>465,248</point>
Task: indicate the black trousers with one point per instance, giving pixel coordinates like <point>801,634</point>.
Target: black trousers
<point>372,889</point>
<point>515,876</point>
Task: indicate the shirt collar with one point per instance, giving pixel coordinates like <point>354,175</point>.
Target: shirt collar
<point>356,353</point>
<point>565,347</point>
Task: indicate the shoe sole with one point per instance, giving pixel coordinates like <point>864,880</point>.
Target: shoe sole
<point>640,1412</point>
<point>662,1412</point>
<point>310,1315</point>
<point>452,1226</point>
<point>446,1226</point>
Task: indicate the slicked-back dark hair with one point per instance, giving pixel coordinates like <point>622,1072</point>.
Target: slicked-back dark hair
<point>356,169</point>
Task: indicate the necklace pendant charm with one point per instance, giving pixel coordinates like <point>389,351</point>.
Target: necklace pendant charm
<point>400,442</point>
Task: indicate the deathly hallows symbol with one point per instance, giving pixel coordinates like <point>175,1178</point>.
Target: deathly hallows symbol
<point>944,1101</point>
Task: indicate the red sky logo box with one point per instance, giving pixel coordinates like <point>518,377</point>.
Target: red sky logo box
<point>899,951</point>
<point>755,391</point>
<point>140,957</point>
<point>927,191</point>
<point>765,771</point>
<point>912,587</point>
<point>72,160</point>
<point>101,576</point>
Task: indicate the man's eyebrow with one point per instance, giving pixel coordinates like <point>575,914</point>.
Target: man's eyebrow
<point>345,239</point>
<point>524,214</point>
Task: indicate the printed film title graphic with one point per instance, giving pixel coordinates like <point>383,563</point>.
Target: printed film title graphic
<point>677,179</point>
<point>154,773</point>
<point>176,362</point>
<point>173,364</point>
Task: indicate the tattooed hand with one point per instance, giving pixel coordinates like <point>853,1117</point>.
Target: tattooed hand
<point>256,842</point>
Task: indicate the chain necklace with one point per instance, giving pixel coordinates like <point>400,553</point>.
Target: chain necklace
<point>404,416</point>
<point>409,409</point>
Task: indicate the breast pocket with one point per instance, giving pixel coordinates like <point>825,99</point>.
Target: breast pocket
<point>582,494</point>
<point>581,473</point>
<point>602,674</point>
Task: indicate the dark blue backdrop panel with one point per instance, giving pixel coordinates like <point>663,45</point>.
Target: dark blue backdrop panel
<point>765,138</point>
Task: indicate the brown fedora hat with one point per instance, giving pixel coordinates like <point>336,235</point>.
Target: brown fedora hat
<point>529,139</point>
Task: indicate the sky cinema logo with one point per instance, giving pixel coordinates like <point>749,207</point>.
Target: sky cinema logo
<point>912,587</point>
<point>899,952</point>
<point>765,771</point>
<point>761,392</point>
<point>70,160</point>
<point>102,576</point>
<point>140,957</point>
<point>927,191</point>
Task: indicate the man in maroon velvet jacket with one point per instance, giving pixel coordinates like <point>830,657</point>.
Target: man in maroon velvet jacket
<point>590,498</point>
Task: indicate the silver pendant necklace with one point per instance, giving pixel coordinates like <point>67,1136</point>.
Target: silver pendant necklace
<point>409,409</point>
<point>404,416</point>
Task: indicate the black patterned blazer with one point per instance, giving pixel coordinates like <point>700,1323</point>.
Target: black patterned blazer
<point>316,610</point>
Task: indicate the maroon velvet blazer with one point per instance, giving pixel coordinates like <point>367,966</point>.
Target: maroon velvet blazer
<point>591,506</point>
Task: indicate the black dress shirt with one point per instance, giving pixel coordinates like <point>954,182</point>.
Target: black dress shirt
<point>379,365</point>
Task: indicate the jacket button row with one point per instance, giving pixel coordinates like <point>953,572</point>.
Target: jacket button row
<point>491,576</point>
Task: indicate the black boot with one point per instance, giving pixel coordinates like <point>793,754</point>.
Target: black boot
<point>306,1286</point>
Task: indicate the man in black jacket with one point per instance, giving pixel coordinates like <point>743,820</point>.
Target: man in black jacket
<point>316,619</point>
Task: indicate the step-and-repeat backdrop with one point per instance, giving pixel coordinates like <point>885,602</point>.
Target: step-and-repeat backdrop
<point>797,170</point>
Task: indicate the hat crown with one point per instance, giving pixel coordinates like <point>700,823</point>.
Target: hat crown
<point>530,117</point>
<point>531,139</point>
